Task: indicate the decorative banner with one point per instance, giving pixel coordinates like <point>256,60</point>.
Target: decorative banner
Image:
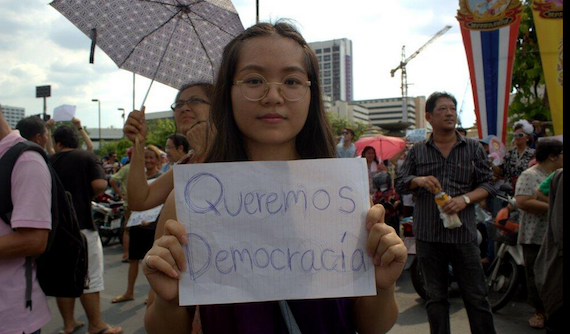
<point>497,151</point>
<point>490,29</point>
<point>548,18</point>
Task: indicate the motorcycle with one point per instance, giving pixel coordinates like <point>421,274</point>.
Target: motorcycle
<point>108,216</point>
<point>506,272</point>
<point>413,263</point>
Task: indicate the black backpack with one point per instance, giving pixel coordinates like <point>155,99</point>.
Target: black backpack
<point>62,268</point>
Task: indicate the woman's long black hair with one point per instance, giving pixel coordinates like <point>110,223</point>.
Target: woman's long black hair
<point>315,139</point>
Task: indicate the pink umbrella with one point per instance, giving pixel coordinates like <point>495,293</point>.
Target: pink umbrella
<point>386,147</point>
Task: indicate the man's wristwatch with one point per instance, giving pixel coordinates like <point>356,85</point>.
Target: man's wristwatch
<point>467,200</point>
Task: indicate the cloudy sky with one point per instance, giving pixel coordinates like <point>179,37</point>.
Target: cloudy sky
<point>38,46</point>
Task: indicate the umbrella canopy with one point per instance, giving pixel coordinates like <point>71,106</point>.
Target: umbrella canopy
<point>171,41</point>
<point>386,147</point>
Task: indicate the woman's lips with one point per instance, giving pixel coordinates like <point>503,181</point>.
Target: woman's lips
<point>272,118</point>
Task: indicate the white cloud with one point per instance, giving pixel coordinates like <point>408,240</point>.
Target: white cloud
<point>39,46</point>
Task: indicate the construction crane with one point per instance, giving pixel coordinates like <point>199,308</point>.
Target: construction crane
<point>403,65</point>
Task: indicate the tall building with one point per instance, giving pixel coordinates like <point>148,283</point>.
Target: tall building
<point>335,62</point>
<point>13,115</point>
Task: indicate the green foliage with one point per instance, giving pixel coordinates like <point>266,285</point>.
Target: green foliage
<point>528,76</point>
<point>158,131</point>
<point>118,146</point>
<point>338,124</point>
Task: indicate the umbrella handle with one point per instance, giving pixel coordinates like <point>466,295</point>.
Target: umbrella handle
<point>93,43</point>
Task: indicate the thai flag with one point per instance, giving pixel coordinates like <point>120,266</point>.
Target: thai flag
<point>491,56</point>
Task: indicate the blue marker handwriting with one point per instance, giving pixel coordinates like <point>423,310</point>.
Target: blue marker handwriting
<point>263,203</point>
<point>343,258</point>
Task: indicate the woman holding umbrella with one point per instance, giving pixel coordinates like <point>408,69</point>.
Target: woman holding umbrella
<point>191,109</point>
<point>191,113</point>
<point>273,123</point>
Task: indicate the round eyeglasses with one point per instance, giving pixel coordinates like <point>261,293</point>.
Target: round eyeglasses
<point>195,101</point>
<point>254,87</point>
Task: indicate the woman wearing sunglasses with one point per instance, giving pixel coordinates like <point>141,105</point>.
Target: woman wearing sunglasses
<point>518,159</point>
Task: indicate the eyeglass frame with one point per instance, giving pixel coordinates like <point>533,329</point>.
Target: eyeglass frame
<point>239,83</point>
<point>519,135</point>
<point>188,102</point>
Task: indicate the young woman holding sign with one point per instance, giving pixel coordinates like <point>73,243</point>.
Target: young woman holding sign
<point>267,106</point>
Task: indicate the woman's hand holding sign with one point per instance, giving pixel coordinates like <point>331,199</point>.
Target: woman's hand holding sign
<point>386,248</point>
<point>165,261</point>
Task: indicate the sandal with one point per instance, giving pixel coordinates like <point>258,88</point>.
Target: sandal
<point>109,330</point>
<point>121,299</point>
<point>537,321</point>
<point>75,329</point>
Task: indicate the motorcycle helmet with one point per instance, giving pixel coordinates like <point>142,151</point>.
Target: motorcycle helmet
<point>382,181</point>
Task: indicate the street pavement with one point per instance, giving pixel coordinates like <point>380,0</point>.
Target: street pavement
<point>412,319</point>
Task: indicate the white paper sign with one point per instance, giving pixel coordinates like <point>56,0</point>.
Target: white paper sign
<point>64,113</point>
<point>416,136</point>
<point>261,231</point>
<point>148,216</point>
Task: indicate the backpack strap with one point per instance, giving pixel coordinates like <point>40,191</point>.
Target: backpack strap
<point>29,261</point>
<point>7,163</point>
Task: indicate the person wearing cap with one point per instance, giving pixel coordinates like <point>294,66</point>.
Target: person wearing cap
<point>537,133</point>
<point>346,148</point>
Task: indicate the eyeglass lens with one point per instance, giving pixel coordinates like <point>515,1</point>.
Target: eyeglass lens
<point>191,102</point>
<point>293,88</point>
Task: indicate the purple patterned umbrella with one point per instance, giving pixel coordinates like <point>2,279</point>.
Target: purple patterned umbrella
<point>171,41</point>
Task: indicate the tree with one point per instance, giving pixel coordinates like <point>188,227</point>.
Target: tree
<point>118,146</point>
<point>530,101</point>
<point>338,124</point>
<point>159,130</point>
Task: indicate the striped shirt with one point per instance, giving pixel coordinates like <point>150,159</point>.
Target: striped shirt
<point>465,169</point>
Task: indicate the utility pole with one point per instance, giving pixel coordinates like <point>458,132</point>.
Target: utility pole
<point>256,11</point>
<point>99,102</point>
<point>44,92</point>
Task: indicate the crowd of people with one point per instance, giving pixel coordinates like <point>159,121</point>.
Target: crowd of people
<point>267,105</point>
<point>468,171</point>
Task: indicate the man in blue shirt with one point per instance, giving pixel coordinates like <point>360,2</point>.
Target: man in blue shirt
<point>346,148</point>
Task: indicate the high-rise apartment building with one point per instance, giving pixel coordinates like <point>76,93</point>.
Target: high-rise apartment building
<point>13,115</point>
<point>335,62</point>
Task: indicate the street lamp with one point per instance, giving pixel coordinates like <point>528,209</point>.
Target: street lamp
<point>99,102</point>
<point>123,114</point>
